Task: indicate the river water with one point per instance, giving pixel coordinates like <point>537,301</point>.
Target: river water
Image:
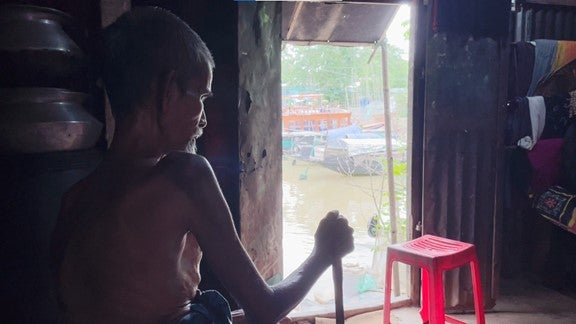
<point>310,190</point>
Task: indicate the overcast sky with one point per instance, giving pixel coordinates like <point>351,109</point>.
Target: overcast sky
<point>395,33</point>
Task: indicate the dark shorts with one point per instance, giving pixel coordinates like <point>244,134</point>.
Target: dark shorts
<point>208,307</point>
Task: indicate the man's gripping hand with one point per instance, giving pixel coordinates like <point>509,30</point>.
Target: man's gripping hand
<point>333,238</point>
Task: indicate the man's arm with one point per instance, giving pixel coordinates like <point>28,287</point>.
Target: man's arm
<point>213,227</point>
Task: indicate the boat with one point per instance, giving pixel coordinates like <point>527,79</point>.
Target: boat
<point>304,145</point>
<point>314,131</point>
<point>348,150</point>
<point>310,112</point>
<point>353,151</point>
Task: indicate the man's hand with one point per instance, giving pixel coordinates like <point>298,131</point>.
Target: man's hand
<point>334,237</point>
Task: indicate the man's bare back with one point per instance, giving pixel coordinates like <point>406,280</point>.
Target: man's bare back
<point>131,243</point>
<point>130,237</point>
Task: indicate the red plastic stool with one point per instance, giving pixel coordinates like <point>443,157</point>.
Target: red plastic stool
<point>434,255</point>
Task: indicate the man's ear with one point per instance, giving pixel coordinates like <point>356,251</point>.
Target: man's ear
<point>166,90</point>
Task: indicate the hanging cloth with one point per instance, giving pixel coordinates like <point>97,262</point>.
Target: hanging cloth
<point>537,117</point>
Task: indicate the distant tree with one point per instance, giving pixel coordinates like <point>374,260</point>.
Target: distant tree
<point>338,72</point>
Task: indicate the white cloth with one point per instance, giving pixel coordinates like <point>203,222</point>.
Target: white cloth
<point>526,143</point>
<point>537,117</point>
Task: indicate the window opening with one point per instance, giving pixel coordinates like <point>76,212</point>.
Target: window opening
<point>337,159</point>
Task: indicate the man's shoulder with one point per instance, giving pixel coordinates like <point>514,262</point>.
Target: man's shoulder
<point>183,160</point>
<point>185,165</point>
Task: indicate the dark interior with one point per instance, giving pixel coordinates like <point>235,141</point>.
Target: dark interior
<point>470,181</point>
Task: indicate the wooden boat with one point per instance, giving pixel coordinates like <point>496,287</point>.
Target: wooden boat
<point>309,112</point>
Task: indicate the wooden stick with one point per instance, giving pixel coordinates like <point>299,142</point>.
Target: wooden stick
<point>338,296</point>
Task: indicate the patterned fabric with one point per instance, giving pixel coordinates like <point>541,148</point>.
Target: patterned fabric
<point>557,116</point>
<point>565,54</point>
<point>209,307</point>
<point>557,205</point>
<point>572,108</point>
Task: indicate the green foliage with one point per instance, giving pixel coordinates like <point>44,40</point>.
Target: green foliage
<point>383,224</point>
<point>400,168</point>
<point>384,227</point>
<point>338,72</point>
<point>406,26</point>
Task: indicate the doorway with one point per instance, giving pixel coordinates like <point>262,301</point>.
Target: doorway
<point>345,114</point>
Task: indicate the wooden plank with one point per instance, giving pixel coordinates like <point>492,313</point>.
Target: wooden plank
<point>312,42</point>
<point>310,317</point>
<point>569,3</point>
<point>383,2</point>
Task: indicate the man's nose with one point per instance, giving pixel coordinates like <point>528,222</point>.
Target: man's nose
<point>203,121</point>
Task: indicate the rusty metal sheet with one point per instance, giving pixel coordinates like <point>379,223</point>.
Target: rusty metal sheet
<point>463,96</point>
<point>339,23</point>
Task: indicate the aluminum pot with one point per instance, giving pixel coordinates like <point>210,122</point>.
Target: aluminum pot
<point>35,49</point>
<point>36,120</point>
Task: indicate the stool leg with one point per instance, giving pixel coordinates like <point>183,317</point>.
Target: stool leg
<point>436,297</point>
<point>424,300</point>
<point>388,289</point>
<point>477,286</point>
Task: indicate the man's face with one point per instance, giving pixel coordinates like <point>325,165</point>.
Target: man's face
<point>189,118</point>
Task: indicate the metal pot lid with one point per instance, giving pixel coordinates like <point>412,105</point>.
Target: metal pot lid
<point>22,95</point>
<point>32,28</point>
<point>19,12</point>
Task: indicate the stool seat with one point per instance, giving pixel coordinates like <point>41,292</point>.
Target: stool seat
<point>434,255</point>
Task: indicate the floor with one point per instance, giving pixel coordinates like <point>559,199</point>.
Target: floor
<point>520,302</point>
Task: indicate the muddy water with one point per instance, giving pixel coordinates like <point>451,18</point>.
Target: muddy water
<point>309,192</point>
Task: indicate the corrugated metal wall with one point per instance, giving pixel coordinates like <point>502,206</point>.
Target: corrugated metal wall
<point>544,22</point>
<point>463,93</point>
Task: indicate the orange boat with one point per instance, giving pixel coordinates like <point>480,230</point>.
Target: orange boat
<point>309,112</point>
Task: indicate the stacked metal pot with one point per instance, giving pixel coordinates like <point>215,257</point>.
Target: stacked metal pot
<point>43,83</point>
<point>47,143</point>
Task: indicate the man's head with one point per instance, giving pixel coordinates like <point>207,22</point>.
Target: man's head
<point>144,48</point>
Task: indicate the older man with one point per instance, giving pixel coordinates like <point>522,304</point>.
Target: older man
<point>131,235</point>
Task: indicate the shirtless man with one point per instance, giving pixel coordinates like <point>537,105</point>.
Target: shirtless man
<point>131,235</point>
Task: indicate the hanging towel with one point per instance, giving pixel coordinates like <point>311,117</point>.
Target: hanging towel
<point>544,58</point>
<point>537,117</point>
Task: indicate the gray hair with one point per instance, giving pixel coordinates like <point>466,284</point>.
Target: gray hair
<point>144,45</point>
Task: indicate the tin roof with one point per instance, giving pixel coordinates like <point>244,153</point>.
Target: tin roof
<point>339,23</point>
